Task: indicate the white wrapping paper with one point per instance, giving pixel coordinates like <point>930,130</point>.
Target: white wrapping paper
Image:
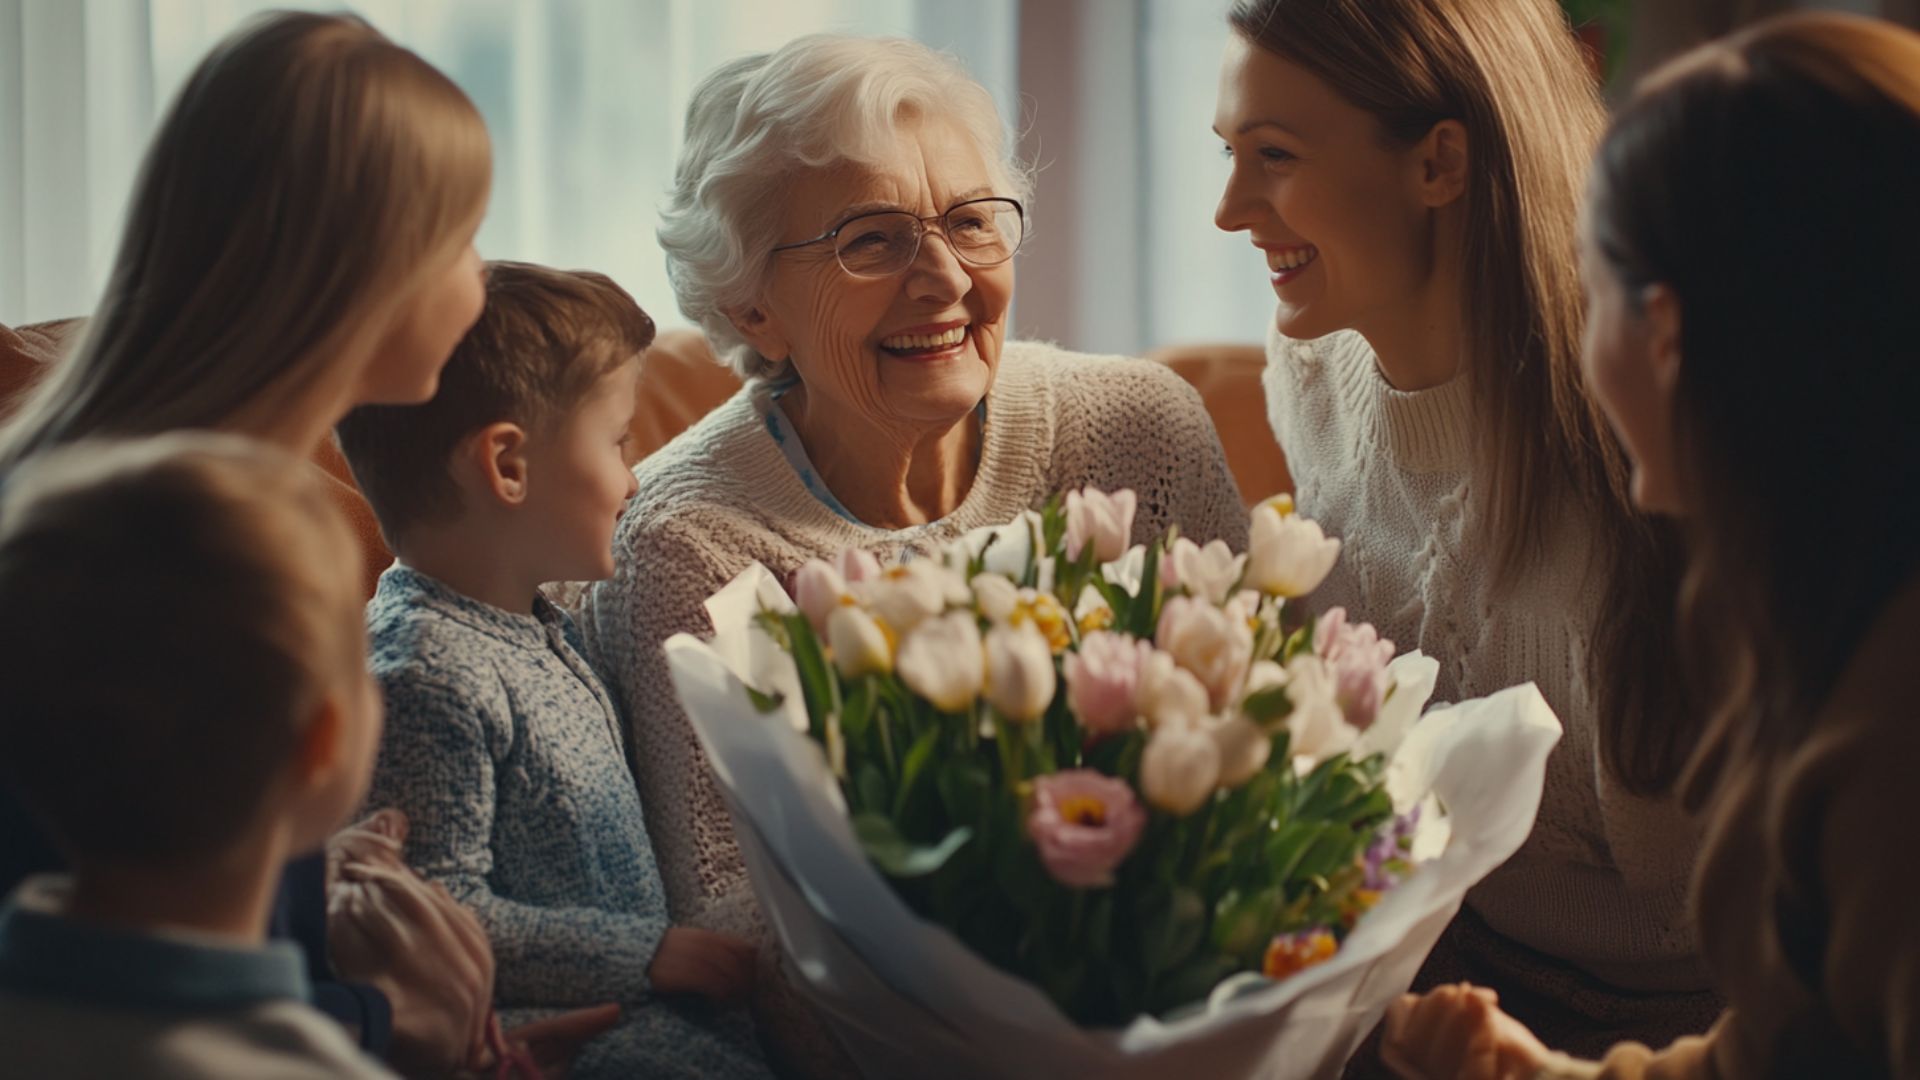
<point>908,998</point>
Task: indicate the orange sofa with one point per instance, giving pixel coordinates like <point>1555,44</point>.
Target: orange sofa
<point>680,382</point>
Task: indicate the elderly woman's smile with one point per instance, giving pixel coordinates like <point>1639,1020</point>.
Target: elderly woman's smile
<point>888,293</point>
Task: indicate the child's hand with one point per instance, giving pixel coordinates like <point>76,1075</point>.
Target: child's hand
<point>714,966</point>
<point>1458,1031</point>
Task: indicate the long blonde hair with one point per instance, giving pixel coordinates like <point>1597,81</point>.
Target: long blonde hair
<point>304,181</point>
<point>1511,73</point>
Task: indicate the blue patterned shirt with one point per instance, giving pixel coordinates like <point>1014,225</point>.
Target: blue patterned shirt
<point>505,752</point>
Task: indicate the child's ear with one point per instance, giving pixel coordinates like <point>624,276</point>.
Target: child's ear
<point>495,460</point>
<point>761,331</point>
<point>322,745</point>
<point>1442,159</point>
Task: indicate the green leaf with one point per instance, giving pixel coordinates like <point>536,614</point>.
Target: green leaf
<point>1266,705</point>
<point>1172,930</point>
<point>893,854</point>
<point>871,784</point>
<point>1192,981</point>
<point>819,684</point>
<point>1146,606</point>
<point>765,703</point>
<point>912,768</point>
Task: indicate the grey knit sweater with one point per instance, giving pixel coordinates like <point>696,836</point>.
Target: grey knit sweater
<point>505,751</point>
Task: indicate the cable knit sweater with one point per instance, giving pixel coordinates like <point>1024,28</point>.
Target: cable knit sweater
<point>722,495</point>
<point>1601,883</point>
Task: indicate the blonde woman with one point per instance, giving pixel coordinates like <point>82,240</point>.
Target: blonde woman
<point>1411,170</point>
<point>299,241</point>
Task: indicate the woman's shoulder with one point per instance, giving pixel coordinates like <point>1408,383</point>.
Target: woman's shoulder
<point>1107,385</point>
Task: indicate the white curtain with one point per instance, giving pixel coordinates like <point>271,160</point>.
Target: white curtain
<point>1112,98</point>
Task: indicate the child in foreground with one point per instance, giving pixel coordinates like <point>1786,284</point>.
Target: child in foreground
<point>502,746</point>
<point>186,707</point>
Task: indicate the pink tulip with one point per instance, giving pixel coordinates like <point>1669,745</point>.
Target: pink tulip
<point>1102,678</point>
<point>856,565</point>
<point>1358,657</point>
<point>1084,824</point>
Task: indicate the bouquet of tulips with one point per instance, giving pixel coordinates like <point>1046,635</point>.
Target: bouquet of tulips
<point>1122,775</point>
<point>1141,780</point>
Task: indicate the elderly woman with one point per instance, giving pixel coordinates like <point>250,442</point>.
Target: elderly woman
<point>842,225</point>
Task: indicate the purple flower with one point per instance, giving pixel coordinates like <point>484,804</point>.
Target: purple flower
<point>1084,824</point>
<point>1358,656</point>
<point>1389,845</point>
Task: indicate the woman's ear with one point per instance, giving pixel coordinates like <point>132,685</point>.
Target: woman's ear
<point>1662,308</point>
<point>762,331</point>
<point>493,462</point>
<point>1442,159</point>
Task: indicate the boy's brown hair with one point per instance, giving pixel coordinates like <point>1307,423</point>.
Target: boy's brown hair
<point>545,339</point>
<point>177,610</point>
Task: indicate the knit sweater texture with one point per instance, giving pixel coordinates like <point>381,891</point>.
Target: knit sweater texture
<point>722,496</point>
<point>506,753</point>
<point>1601,883</point>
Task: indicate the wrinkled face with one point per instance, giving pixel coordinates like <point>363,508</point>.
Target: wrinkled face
<point>405,369</point>
<point>915,350</point>
<point>579,479</point>
<point>1628,357</point>
<point>1321,191</point>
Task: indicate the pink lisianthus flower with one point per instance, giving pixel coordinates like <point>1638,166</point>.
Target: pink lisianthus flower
<point>1358,657</point>
<point>1103,677</point>
<point>1084,823</point>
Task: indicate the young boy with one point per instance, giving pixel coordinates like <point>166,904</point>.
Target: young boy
<point>502,746</point>
<point>186,706</point>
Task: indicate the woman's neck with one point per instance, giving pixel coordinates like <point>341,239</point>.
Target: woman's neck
<point>1421,342</point>
<point>890,477</point>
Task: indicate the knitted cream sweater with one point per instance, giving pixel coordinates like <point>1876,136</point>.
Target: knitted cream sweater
<point>1602,880</point>
<point>722,495</point>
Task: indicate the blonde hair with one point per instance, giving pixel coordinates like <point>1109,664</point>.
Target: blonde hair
<point>814,103</point>
<point>1511,73</point>
<point>306,179</point>
<point>177,609</point>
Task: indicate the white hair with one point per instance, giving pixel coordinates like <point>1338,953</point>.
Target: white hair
<point>816,102</point>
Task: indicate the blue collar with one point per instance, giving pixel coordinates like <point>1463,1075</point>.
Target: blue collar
<point>780,429</point>
<point>43,954</point>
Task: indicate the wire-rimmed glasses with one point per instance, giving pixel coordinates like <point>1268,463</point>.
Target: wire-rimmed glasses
<point>981,232</point>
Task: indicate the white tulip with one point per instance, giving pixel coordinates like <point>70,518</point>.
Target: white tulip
<point>1101,520</point>
<point>1215,644</point>
<point>860,646</point>
<point>1244,749</point>
<point>1168,693</point>
<point>1317,727</point>
<point>1208,573</point>
<point>995,596</point>
<point>1179,768</point>
<point>905,595</point>
<point>1287,555</point>
<point>942,661</point>
<point>817,589</point>
<point>1020,676</point>
<point>1013,545</point>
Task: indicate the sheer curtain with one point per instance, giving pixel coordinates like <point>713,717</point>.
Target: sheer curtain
<point>1112,98</point>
